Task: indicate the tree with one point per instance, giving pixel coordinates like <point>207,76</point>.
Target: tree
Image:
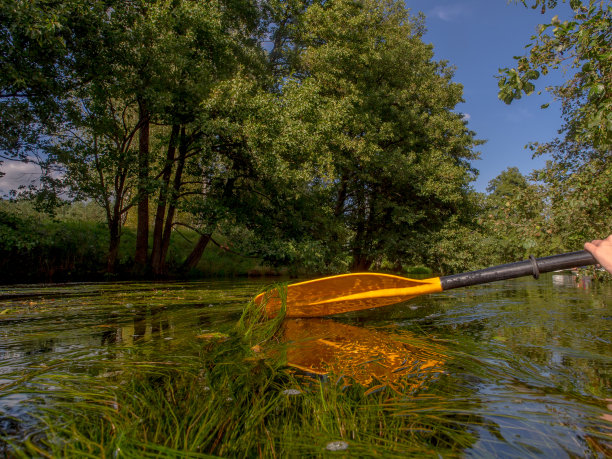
<point>141,86</point>
<point>259,170</point>
<point>507,184</point>
<point>37,68</point>
<point>203,50</point>
<point>399,152</point>
<point>576,179</point>
<point>583,43</point>
<point>578,188</point>
<point>514,218</point>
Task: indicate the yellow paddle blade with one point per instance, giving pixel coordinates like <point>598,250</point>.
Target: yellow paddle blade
<point>346,292</point>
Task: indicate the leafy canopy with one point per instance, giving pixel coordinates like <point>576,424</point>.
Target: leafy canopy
<point>583,45</point>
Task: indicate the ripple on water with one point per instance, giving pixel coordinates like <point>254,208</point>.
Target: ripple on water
<point>526,366</point>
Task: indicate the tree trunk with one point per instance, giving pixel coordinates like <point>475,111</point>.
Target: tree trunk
<point>196,254</point>
<point>173,196</point>
<point>156,259</point>
<point>113,247</point>
<point>142,229</point>
<point>360,262</point>
<point>342,194</point>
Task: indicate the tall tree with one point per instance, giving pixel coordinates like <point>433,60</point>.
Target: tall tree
<point>142,77</point>
<point>400,153</point>
<point>203,55</point>
<point>507,184</point>
<point>37,68</point>
<point>514,217</point>
<point>255,167</point>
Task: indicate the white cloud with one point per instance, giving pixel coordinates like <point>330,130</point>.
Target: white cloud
<point>448,13</point>
<point>17,173</point>
<point>466,117</point>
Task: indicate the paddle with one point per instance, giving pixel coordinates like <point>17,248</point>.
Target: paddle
<point>353,292</point>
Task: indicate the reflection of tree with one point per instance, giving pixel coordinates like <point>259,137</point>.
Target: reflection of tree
<point>159,321</point>
<point>110,335</point>
<point>140,323</point>
<point>204,319</point>
<point>154,318</point>
<point>40,346</point>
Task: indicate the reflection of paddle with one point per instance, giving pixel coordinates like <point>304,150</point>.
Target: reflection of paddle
<point>353,292</point>
<point>322,346</point>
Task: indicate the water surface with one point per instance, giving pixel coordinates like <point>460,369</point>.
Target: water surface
<point>517,368</point>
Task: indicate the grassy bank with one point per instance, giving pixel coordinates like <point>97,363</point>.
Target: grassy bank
<point>72,246</point>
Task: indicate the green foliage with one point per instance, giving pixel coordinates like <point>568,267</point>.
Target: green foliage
<point>454,249</point>
<point>313,133</point>
<point>34,41</point>
<point>133,66</point>
<point>583,44</point>
<point>35,249</point>
<point>513,219</point>
<point>568,201</point>
<point>581,190</point>
<point>339,149</point>
<point>400,156</point>
<point>507,184</point>
<point>556,210</point>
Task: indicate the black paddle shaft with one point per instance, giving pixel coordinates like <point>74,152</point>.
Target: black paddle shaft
<point>532,266</point>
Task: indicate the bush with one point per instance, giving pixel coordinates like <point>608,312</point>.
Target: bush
<point>32,249</point>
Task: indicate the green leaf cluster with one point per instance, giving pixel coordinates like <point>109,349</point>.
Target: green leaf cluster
<point>580,45</point>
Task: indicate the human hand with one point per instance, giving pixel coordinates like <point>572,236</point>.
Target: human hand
<point>602,251</point>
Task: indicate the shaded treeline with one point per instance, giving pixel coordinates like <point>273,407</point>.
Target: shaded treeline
<point>314,135</point>
<point>278,119</point>
<point>72,246</point>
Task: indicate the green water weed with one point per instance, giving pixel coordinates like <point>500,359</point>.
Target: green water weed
<point>219,397</point>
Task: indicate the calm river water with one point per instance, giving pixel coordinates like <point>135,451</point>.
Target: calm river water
<point>529,362</point>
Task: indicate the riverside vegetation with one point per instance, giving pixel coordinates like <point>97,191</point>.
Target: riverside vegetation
<point>315,137</point>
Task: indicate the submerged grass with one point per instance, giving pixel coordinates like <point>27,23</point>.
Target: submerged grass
<point>225,384</point>
<point>223,396</point>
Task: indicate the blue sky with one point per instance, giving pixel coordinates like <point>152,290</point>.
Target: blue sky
<point>478,37</point>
